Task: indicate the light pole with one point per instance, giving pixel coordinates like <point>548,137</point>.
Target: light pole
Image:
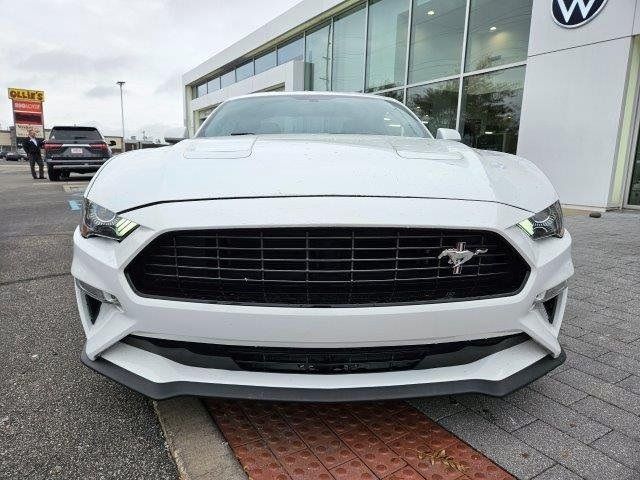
<point>121,83</point>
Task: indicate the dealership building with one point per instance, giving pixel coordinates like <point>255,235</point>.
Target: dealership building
<point>555,81</point>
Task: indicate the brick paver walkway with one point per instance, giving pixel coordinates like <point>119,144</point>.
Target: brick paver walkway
<point>362,441</point>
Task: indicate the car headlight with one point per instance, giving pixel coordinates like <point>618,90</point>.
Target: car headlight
<point>544,224</point>
<point>98,221</point>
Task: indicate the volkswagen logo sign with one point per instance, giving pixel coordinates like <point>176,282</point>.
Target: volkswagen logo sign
<point>575,13</point>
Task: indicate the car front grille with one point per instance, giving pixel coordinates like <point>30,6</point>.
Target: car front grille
<point>325,267</point>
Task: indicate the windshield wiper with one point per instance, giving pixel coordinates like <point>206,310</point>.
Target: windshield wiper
<point>236,134</point>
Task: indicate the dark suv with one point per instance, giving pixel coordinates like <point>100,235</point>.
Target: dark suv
<point>75,149</point>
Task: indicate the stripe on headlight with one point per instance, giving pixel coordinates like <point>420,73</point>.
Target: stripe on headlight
<point>124,228</point>
<point>527,226</point>
<point>121,222</point>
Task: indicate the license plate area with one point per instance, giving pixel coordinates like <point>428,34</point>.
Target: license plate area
<point>77,151</point>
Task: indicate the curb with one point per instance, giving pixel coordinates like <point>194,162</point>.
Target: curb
<point>194,441</point>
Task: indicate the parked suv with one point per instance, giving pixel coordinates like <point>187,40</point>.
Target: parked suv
<point>75,149</point>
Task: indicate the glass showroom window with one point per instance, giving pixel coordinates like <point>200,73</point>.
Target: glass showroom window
<point>201,90</point>
<point>228,79</point>
<point>387,43</point>
<point>293,50</point>
<point>318,58</point>
<point>265,62</point>
<point>435,104</point>
<point>348,51</point>
<point>213,85</point>
<point>436,39</point>
<point>634,190</point>
<point>498,33</point>
<point>244,71</point>
<point>491,103</point>
<point>202,115</point>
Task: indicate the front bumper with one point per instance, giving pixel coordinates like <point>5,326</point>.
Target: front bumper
<point>101,263</point>
<point>84,165</point>
<point>175,388</point>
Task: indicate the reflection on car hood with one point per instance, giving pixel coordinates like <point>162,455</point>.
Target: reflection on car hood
<point>318,165</point>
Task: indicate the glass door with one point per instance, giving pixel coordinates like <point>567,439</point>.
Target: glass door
<point>633,95</point>
<point>634,185</point>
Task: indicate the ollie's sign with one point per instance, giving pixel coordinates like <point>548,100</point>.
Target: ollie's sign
<point>24,94</point>
<point>27,111</point>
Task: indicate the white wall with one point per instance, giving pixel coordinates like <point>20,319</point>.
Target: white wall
<point>573,99</point>
<point>570,118</point>
<point>614,21</point>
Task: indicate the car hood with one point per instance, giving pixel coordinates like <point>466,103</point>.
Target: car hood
<point>318,165</point>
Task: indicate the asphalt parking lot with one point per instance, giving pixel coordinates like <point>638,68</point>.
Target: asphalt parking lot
<point>59,420</point>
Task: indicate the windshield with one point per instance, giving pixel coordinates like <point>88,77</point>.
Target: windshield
<point>317,114</point>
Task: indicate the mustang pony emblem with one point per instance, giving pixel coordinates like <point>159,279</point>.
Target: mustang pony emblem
<point>458,256</point>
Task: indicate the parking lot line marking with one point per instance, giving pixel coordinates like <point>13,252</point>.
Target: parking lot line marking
<point>75,205</point>
<point>72,188</point>
<point>375,440</point>
<point>69,188</point>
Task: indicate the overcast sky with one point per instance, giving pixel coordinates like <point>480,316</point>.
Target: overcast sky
<point>75,50</point>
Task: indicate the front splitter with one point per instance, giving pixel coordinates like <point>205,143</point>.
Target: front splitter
<point>161,391</point>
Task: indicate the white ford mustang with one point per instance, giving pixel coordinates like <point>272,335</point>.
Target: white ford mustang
<point>320,247</point>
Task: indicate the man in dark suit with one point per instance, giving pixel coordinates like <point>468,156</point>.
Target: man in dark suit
<point>32,148</point>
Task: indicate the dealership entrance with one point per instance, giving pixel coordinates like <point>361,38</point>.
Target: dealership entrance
<point>632,192</point>
<point>634,184</point>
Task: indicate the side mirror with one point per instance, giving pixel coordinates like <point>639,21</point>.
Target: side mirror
<point>175,135</point>
<point>112,143</point>
<point>448,134</point>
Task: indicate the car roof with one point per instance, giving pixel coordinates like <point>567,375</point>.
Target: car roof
<point>73,127</point>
